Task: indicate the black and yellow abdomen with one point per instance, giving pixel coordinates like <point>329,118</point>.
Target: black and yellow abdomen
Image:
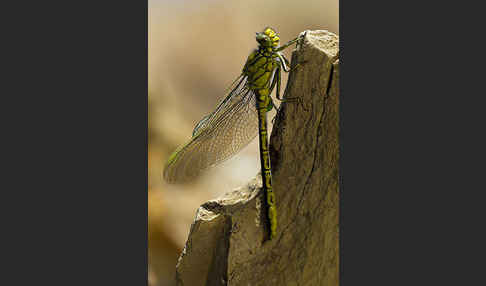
<point>260,68</point>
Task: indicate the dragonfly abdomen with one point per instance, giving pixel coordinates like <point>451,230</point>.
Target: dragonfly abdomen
<point>260,68</point>
<point>261,105</point>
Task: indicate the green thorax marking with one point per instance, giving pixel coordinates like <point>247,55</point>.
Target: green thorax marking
<point>259,68</point>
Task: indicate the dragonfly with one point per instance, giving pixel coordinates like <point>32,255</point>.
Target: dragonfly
<point>237,120</point>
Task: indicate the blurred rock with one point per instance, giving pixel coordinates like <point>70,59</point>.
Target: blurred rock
<point>163,248</point>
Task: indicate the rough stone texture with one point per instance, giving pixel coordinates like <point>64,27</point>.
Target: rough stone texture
<point>228,242</point>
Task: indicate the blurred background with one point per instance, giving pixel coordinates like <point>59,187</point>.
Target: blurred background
<point>195,51</point>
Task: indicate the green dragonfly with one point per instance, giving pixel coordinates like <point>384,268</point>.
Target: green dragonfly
<point>237,120</point>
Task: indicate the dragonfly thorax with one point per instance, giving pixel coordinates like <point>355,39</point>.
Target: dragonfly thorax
<point>259,68</point>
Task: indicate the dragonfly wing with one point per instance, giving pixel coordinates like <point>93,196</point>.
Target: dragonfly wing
<point>237,91</point>
<point>218,136</point>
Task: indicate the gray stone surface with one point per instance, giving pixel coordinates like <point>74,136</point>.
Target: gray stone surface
<point>228,242</point>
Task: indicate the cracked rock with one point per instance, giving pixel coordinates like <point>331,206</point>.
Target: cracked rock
<point>228,241</point>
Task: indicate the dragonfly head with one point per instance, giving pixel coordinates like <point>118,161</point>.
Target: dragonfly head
<point>268,38</point>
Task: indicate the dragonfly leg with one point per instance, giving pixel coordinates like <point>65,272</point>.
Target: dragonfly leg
<point>276,81</point>
<point>278,77</point>
<point>301,39</point>
<point>296,40</point>
<point>295,99</point>
<point>299,64</point>
<point>289,43</point>
<point>276,114</point>
<point>287,62</point>
<point>284,62</point>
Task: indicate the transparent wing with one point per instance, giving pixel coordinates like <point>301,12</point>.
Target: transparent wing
<point>218,136</point>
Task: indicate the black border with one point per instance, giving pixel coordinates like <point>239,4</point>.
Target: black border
<point>77,109</point>
<point>409,215</point>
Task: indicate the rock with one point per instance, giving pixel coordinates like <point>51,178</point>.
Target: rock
<point>228,241</point>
